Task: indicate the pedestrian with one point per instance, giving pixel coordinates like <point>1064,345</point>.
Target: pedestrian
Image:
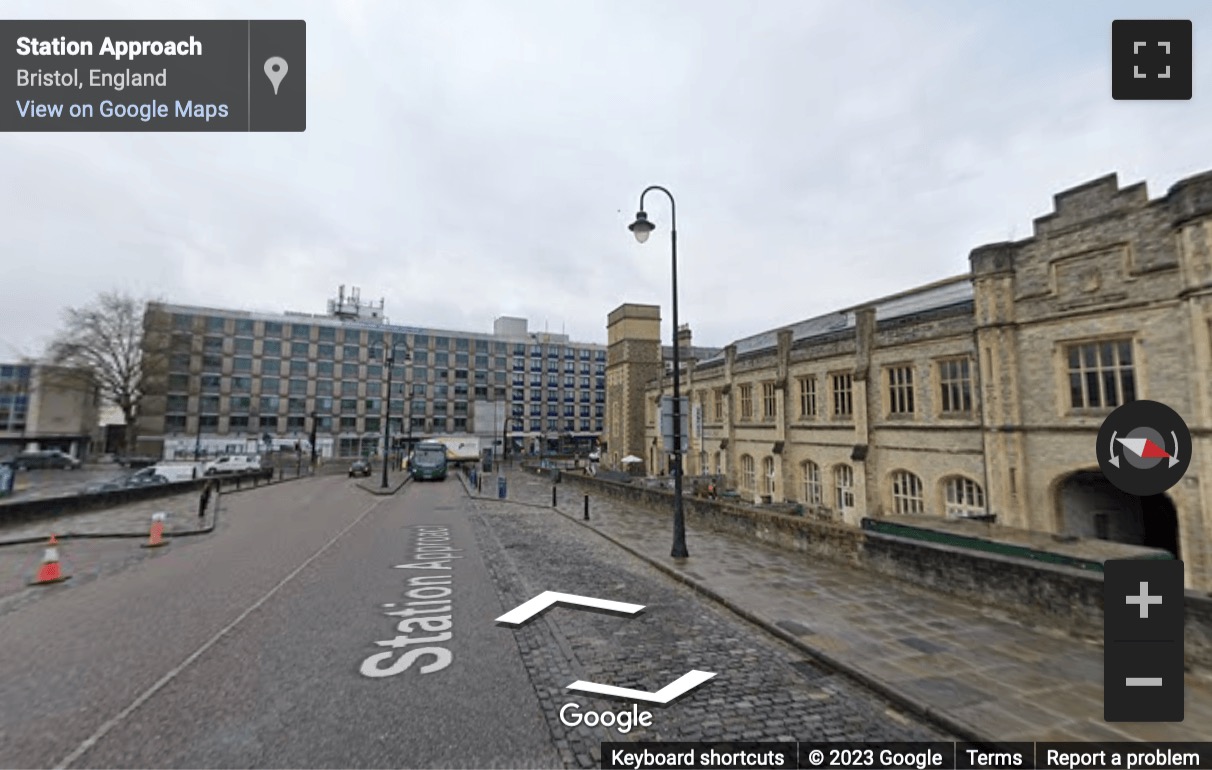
<point>207,490</point>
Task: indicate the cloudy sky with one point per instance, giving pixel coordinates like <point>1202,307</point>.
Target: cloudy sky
<point>466,160</point>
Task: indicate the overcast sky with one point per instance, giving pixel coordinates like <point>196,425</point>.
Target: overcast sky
<point>466,160</point>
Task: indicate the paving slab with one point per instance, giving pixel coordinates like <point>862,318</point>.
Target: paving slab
<point>978,674</point>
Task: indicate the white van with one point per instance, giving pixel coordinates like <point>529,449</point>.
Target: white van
<point>175,471</point>
<point>233,464</point>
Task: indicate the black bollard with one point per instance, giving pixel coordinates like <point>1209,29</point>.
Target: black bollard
<point>479,483</point>
<point>586,507</point>
<point>553,497</point>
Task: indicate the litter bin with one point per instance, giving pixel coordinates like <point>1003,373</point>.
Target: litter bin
<point>501,487</point>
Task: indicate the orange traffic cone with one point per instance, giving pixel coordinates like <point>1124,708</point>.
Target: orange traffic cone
<point>50,571</point>
<point>156,538</point>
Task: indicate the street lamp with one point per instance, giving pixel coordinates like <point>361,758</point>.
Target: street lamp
<point>642,228</point>
<point>390,362</point>
<point>315,418</point>
<point>197,436</point>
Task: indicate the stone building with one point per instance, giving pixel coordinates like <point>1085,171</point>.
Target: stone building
<point>983,394</point>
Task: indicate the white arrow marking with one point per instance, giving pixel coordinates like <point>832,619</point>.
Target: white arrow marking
<point>1174,454</point>
<point>527,610</point>
<point>683,684</point>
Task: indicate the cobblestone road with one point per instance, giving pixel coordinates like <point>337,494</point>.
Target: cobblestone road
<point>764,691</point>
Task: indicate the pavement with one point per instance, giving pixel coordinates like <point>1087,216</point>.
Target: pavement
<point>763,689</point>
<point>980,677</point>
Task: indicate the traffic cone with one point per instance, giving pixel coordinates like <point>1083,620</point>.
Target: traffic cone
<point>50,572</point>
<point>156,538</point>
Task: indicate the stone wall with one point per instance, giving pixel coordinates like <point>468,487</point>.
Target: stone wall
<point>1034,593</point>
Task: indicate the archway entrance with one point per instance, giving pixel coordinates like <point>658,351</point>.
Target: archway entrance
<point>1091,507</point>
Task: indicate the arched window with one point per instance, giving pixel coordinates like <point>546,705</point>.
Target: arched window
<point>768,468</point>
<point>812,483</point>
<point>907,493</point>
<point>748,478</point>
<point>964,497</point>
<point>843,487</point>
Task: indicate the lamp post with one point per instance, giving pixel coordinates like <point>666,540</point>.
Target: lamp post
<point>197,437</point>
<point>408,418</point>
<point>315,418</point>
<point>390,361</point>
<point>642,228</point>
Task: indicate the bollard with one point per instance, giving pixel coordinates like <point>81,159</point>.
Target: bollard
<point>553,497</point>
<point>501,487</point>
<point>238,481</point>
<point>586,507</point>
<point>479,483</point>
<point>281,473</point>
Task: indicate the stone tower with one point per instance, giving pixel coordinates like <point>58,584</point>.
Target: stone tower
<point>633,359</point>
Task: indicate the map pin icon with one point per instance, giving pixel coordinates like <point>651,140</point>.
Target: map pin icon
<point>275,70</point>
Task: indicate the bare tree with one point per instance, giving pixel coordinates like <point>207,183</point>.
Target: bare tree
<point>105,340</point>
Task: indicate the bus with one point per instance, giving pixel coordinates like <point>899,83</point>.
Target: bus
<point>429,461</point>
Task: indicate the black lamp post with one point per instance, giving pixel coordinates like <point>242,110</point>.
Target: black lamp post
<point>642,228</point>
<point>315,418</point>
<point>390,361</point>
<point>408,418</point>
<point>197,436</point>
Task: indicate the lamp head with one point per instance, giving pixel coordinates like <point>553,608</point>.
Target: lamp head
<point>641,227</point>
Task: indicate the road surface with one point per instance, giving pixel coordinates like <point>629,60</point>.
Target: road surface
<point>268,644</point>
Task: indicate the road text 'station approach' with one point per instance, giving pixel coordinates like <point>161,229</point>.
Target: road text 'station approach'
<point>427,611</point>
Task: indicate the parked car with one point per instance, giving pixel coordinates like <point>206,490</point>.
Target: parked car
<point>48,458</point>
<point>126,481</point>
<point>136,461</point>
<point>359,468</point>
<point>233,464</point>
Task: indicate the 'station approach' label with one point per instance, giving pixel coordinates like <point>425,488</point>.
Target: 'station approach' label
<point>425,620</point>
<point>153,75</point>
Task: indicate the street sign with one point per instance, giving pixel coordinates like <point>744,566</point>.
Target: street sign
<point>667,423</point>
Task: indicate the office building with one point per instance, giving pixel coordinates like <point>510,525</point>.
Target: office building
<point>47,407</point>
<point>226,381</point>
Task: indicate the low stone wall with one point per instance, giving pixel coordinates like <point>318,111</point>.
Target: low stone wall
<point>1035,593</point>
<point>23,511</point>
<point>818,538</point>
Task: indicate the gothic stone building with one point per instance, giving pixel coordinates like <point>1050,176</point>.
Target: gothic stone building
<point>982,394</point>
